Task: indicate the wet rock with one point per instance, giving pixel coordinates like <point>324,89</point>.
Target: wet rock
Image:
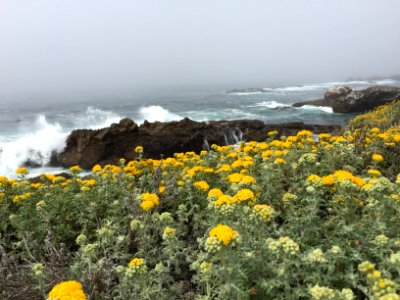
<point>344,100</point>
<point>89,147</point>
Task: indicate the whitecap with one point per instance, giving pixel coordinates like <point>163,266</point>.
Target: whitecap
<point>325,109</point>
<point>385,81</point>
<point>246,93</point>
<point>157,113</point>
<point>269,104</point>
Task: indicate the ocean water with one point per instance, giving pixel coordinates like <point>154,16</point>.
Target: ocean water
<point>33,128</point>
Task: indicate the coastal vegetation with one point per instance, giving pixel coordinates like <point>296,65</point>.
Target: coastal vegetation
<point>296,217</point>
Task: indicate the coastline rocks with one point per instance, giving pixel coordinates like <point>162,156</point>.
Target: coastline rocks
<point>336,92</point>
<point>344,100</point>
<point>86,147</point>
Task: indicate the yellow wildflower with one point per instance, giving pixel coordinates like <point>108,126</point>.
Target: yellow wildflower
<point>245,195</point>
<point>264,211</point>
<point>67,290</point>
<point>374,172</point>
<point>75,169</point>
<point>136,265</point>
<point>224,234</point>
<point>224,200</point>
<point>215,193</point>
<point>235,177</point>
<point>96,169</point>
<point>272,133</point>
<point>247,180</point>
<point>279,161</point>
<point>202,185</point>
<point>139,149</point>
<point>136,262</point>
<point>304,133</point>
<point>149,201</point>
<point>328,180</point>
<point>169,233</point>
<point>324,136</point>
<point>36,185</point>
<point>377,157</point>
<point>314,179</point>
<point>22,171</point>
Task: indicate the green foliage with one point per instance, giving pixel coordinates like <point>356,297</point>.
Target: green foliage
<point>283,219</point>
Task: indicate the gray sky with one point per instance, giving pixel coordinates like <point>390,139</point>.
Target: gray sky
<point>76,46</point>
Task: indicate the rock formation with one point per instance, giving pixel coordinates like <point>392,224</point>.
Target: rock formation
<point>86,147</point>
<point>344,100</point>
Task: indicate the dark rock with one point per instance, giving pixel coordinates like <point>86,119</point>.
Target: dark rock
<point>89,147</point>
<point>54,159</point>
<point>29,163</point>
<point>344,100</point>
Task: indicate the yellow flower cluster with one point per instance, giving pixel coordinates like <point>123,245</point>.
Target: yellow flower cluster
<point>75,169</point>
<point>214,193</point>
<point>382,117</point>
<point>338,176</point>
<point>283,245</point>
<point>149,201</point>
<point>224,234</point>
<point>136,266</point>
<point>382,288</point>
<point>22,171</point>
<point>169,233</point>
<point>202,185</point>
<point>377,157</point>
<point>225,200</point>
<point>245,195</point>
<point>264,211</point>
<point>67,290</point>
<point>136,262</point>
<point>324,293</point>
<point>139,149</point>
<point>374,172</point>
<point>18,198</point>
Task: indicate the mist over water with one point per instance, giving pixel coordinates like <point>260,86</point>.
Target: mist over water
<point>80,47</point>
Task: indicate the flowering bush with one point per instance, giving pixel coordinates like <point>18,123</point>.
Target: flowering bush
<point>300,217</point>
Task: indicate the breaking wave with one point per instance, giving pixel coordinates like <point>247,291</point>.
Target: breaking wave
<point>36,142</point>
<point>36,146</point>
<point>270,104</point>
<point>157,113</point>
<point>325,109</point>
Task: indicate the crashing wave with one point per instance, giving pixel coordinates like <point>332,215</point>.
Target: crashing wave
<point>325,109</point>
<point>157,113</point>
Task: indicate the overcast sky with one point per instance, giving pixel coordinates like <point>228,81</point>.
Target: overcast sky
<point>73,46</point>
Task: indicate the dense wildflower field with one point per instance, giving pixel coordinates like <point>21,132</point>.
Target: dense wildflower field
<point>297,217</point>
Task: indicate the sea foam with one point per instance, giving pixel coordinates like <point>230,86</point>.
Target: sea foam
<point>325,109</point>
<point>157,113</point>
<point>269,104</point>
<point>35,146</point>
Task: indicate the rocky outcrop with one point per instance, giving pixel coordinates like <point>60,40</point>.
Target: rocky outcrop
<point>336,92</point>
<point>344,100</point>
<point>86,147</point>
